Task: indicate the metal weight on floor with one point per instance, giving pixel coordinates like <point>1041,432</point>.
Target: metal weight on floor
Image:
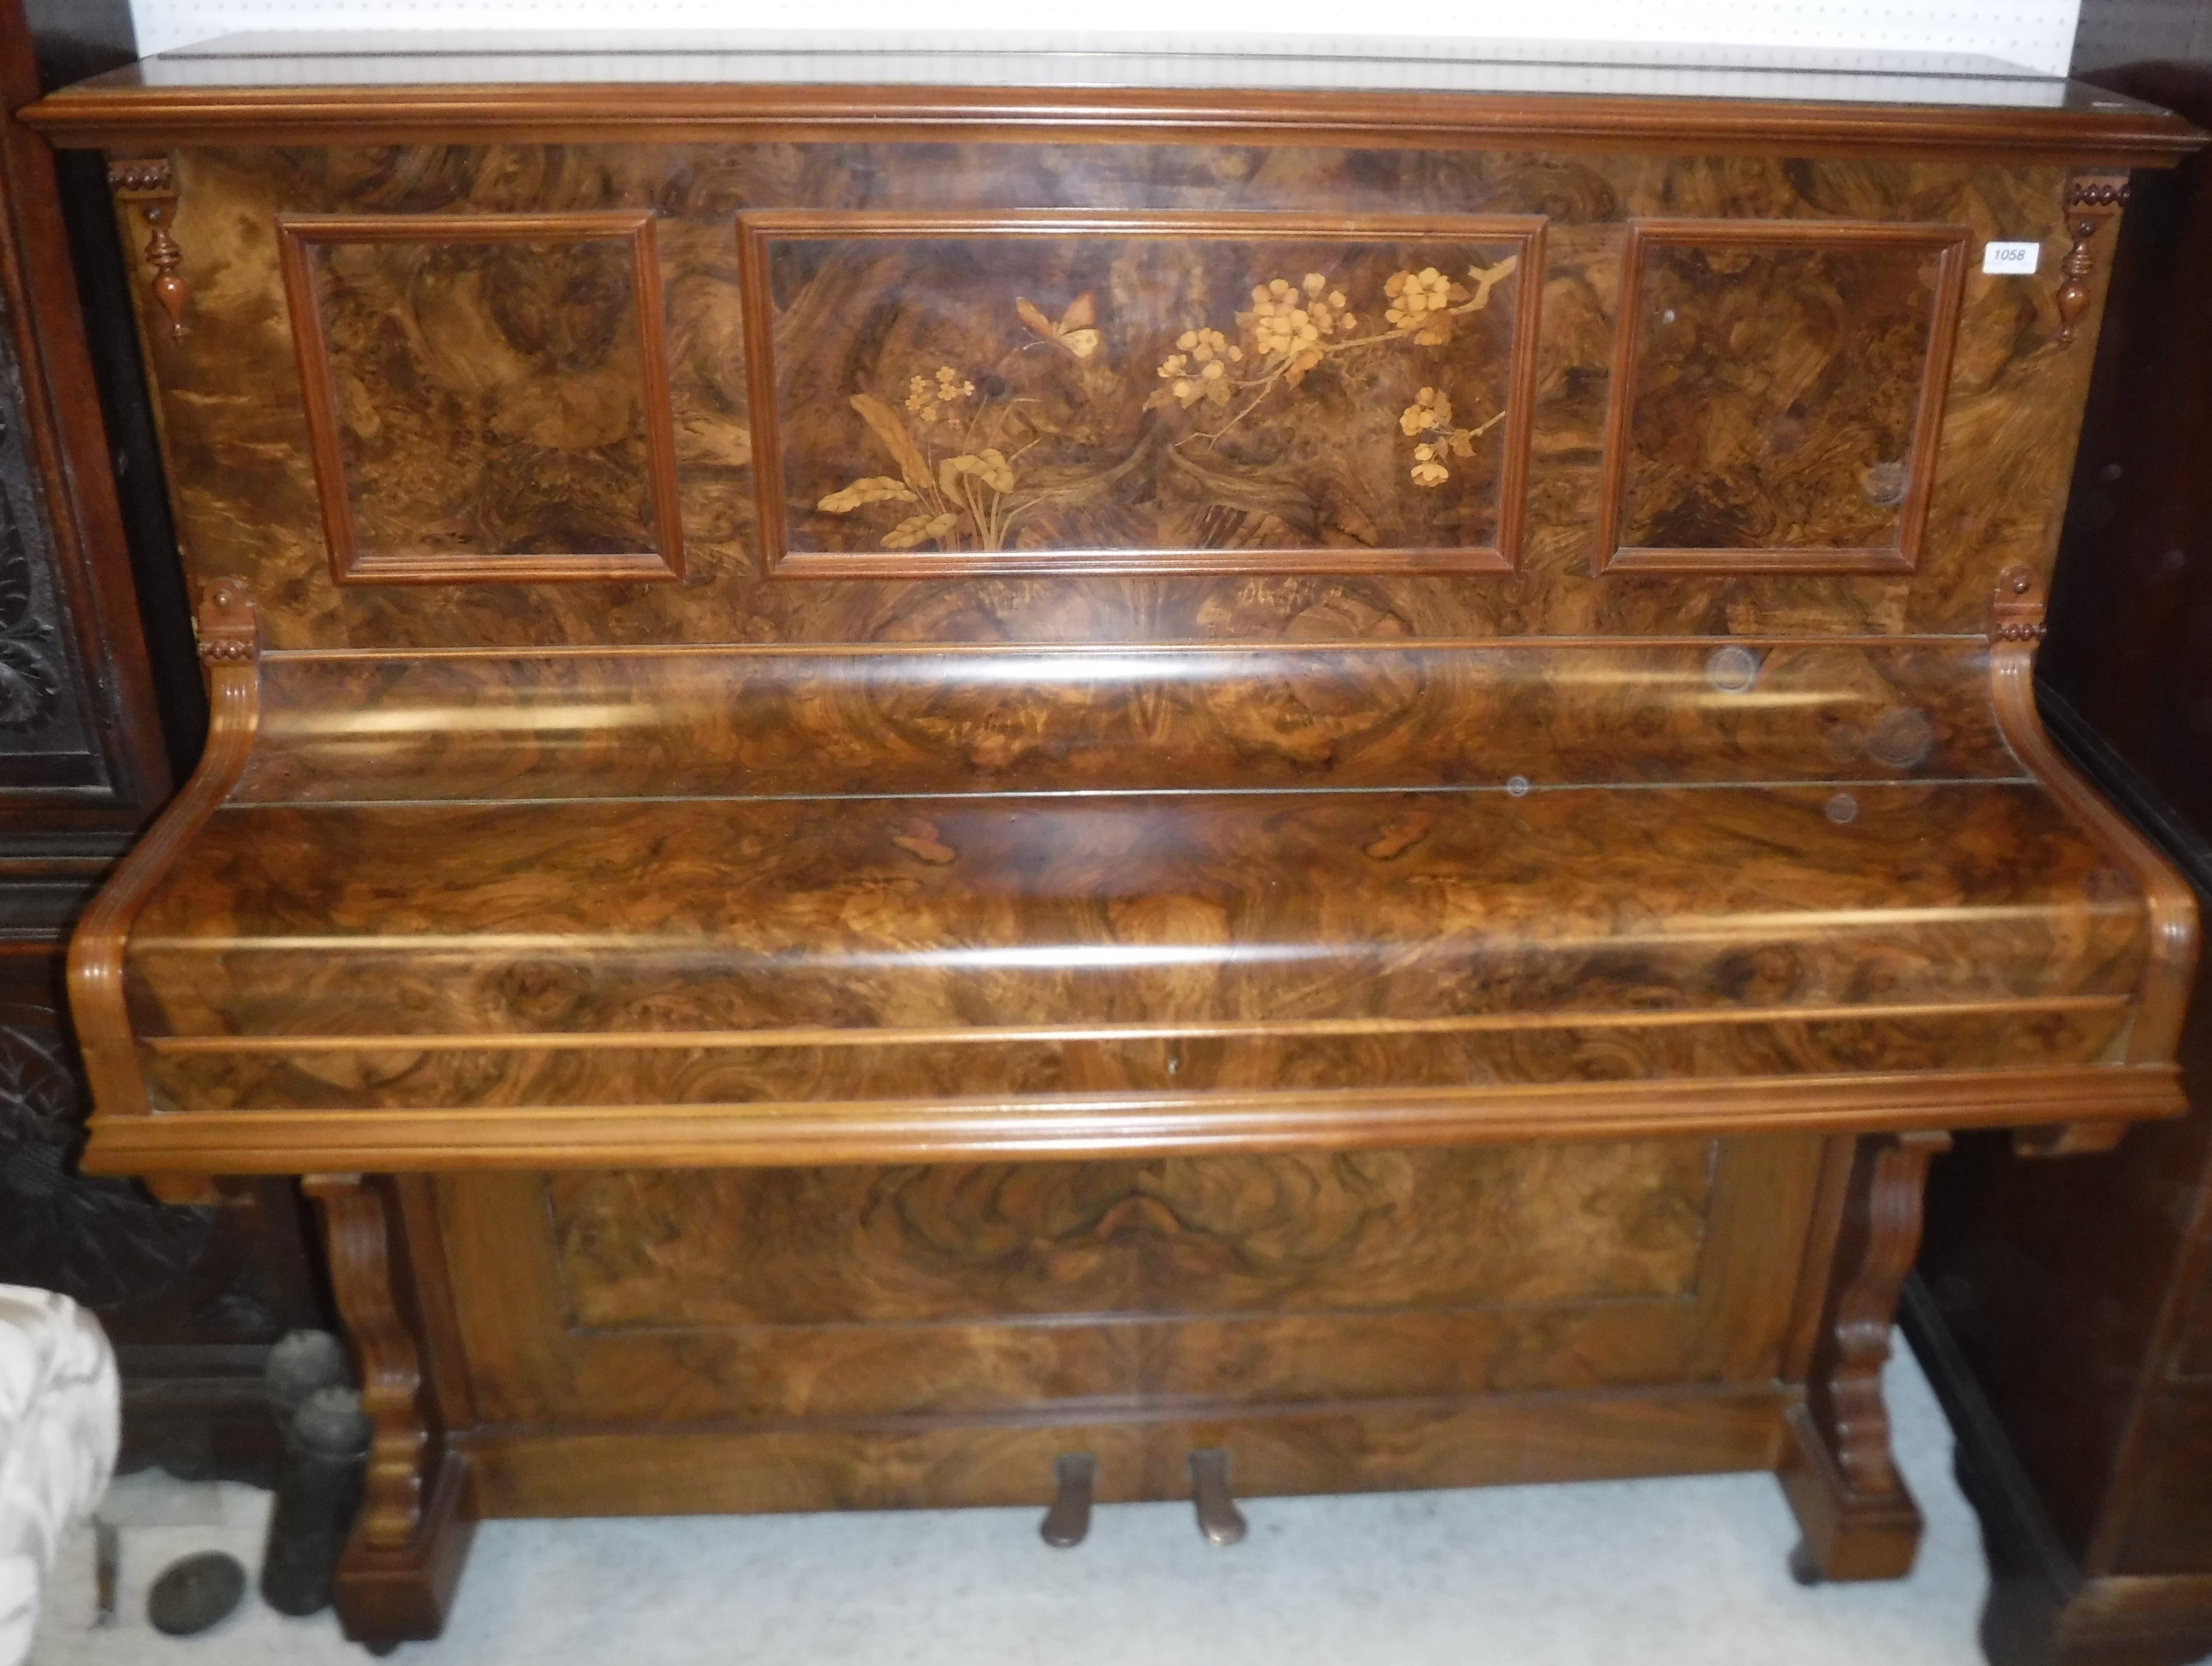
<point>196,1593</point>
<point>318,1493</point>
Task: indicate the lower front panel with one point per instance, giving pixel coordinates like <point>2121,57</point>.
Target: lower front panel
<point>935,1335</point>
<point>938,1463</point>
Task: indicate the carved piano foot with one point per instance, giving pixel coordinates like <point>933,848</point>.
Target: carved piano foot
<point>1851,1533</point>
<point>385,1596</point>
<point>396,1581</point>
<point>1858,1520</point>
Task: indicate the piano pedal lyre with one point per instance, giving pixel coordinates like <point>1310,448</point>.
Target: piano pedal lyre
<point>1219,1517</point>
<point>1068,1522</point>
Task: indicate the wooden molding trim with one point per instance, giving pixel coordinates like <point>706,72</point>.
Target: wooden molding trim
<point>785,1133</point>
<point>2068,1138</point>
<point>2015,629</point>
<point>1856,642</point>
<point>298,234</point>
<point>229,637</point>
<point>121,116</point>
<point>755,231</point>
<point>1949,244</point>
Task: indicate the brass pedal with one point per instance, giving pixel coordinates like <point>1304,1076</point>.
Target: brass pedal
<point>1219,1517</point>
<point>1068,1522</point>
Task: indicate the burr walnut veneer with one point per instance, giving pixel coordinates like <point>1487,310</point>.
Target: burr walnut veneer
<point>913,771</point>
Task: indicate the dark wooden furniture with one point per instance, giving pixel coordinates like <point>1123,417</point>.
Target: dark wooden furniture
<point>191,1297</point>
<point>2067,1313</point>
<point>912,775</point>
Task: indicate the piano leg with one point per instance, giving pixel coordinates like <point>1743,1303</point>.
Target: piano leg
<point>397,1578</point>
<point>1858,1520</point>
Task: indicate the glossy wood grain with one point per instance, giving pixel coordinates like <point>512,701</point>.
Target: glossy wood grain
<point>1030,1290</point>
<point>854,1067</point>
<point>915,717</point>
<point>1367,1230</point>
<point>242,460</point>
<point>1265,815</point>
<point>921,913</point>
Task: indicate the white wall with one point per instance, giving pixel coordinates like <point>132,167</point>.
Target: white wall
<point>2037,34</point>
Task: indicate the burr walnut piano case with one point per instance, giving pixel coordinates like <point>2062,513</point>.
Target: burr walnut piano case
<point>922,764</point>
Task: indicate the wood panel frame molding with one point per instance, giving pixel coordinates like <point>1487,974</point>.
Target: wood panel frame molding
<point>1949,244</point>
<point>755,231</point>
<point>299,235</point>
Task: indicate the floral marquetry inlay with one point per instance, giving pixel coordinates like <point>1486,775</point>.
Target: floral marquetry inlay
<point>1067,396</point>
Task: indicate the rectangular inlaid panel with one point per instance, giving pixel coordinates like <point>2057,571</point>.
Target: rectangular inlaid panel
<point>487,395</point>
<point>1780,394</point>
<point>1361,1229</point>
<point>1064,392</point>
<point>1017,1290</point>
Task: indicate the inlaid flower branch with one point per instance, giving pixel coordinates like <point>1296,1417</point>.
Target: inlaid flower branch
<point>1292,328</point>
<point>958,452</point>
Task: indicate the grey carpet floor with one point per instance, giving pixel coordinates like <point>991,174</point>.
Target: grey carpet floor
<point>1653,1572</point>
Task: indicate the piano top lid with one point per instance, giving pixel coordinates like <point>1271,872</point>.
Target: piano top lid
<point>480,86</point>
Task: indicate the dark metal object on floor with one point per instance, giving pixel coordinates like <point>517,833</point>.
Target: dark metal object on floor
<point>196,1593</point>
<point>106,1568</point>
<point>1219,1517</point>
<point>1068,1522</point>
<point>301,1362</point>
<point>1804,1567</point>
<point>319,1493</point>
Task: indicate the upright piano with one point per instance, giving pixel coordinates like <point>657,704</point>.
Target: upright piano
<point>963,774</point>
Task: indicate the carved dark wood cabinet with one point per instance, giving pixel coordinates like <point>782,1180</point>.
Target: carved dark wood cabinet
<point>191,1297</point>
<point>922,765</point>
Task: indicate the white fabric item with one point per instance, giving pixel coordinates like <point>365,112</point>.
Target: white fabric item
<point>60,1418</point>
